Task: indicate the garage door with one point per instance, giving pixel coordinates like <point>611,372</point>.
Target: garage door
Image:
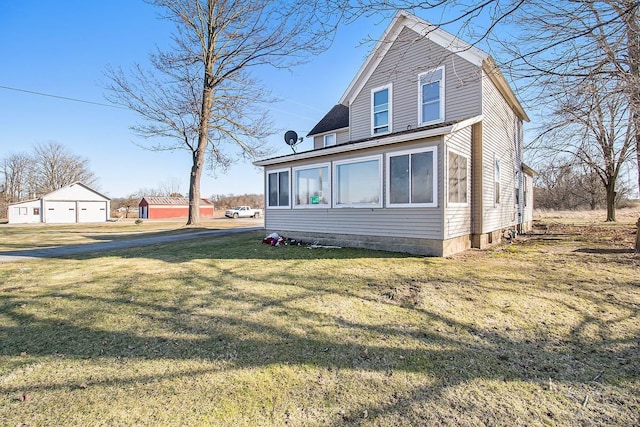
<point>60,212</point>
<point>92,211</point>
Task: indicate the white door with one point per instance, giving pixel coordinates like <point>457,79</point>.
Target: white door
<point>92,211</point>
<point>60,212</point>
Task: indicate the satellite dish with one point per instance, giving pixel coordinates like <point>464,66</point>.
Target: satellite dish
<point>291,139</point>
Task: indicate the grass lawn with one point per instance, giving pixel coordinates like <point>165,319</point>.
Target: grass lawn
<point>36,236</point>
<point>227,331</point>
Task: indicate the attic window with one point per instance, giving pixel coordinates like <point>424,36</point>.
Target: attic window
<point>381,110</point>
<point>431,95</point>
<point>330,139</point>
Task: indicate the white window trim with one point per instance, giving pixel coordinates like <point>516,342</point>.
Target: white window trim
<point>496,162</point>
<point>335,183</point>
<point>324,140</point>
<point>442,97</point>
<point>295,186</point>
<point>390,113</point>
<point>390,154</point>
<point>269,172</point>
<point>456,204</point>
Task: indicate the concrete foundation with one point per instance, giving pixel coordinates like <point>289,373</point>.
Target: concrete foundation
<point>428,247</point>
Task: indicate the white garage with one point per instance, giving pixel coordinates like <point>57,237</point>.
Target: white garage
<point>74,203</point>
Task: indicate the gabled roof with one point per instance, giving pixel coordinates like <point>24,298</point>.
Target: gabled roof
<point>73,184</point>
<point>172,201</point>
<point>437,35</point>
<point>336,118</point>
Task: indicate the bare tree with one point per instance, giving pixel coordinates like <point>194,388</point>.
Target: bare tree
<point>50,167</point>
<point>54,167</point>
<point>569,185</point>
<point>171,188</point>
<point>15,170</point>
<point>591,124</point>
<point>201,96</point>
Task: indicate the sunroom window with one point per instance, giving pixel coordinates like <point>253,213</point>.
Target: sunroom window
<point>457,178</point>
<point>278,189</point>
<point>358,183</point>
<point>312,186</point>
<point>412,178</point>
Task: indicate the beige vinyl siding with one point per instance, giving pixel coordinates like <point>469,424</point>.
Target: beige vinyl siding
<point>401,222</point>
<point>341,137</point>
<point>409,56</point>
<point>498,129</point>
<point>457,218</point>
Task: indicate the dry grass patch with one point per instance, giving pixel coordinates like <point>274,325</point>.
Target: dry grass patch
<point>227,331</point>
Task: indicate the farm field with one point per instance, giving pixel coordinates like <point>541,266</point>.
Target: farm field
<point>228,331</point>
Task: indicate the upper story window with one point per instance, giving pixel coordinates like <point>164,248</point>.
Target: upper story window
<point>358,183</point>
<point>458,172</point>
<point>312,186</point>
<point>381,110</point>
<point>278,189</point>
<point>412,178</point>
<point>329,140</point>
<point>431,96</point>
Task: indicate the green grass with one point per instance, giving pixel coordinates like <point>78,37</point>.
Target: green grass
<point>45,235</point>
<point>228,331</point>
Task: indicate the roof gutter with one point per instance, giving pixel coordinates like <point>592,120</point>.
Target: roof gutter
<point>354,146</point>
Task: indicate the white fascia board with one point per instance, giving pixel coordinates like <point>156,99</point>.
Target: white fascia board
<point>392,139</point>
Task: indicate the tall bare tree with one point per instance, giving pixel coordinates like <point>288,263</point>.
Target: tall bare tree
<point>15,170</point>
<point>49,167</point>
<point>590,123</point>
<point>200,95</point>
<point>54,167</point>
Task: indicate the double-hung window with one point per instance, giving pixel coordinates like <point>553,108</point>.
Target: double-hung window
<point>458,173</point>
<point>312,186</point>
<point>358,183</point>
<point>412,178</point>
<point>431,96</point>
<point>381,110</point>
<point>278,189</point>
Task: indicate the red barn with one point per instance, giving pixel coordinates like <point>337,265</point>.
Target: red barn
<point>171,207</point>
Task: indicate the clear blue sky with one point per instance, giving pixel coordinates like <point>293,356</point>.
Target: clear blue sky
<point>63,47</point>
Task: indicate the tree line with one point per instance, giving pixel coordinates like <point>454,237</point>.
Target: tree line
<point>47,167</point>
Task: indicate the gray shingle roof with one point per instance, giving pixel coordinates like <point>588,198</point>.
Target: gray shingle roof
<point>336,118</point>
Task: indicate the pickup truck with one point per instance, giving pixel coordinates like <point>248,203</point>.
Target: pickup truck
<point>243,212</point>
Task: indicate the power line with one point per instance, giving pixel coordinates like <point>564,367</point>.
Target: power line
<point>62,97</point>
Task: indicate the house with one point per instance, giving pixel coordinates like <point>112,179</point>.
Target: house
<point>171,207</point>
<point>422,154</point>
<point>74,203</point>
